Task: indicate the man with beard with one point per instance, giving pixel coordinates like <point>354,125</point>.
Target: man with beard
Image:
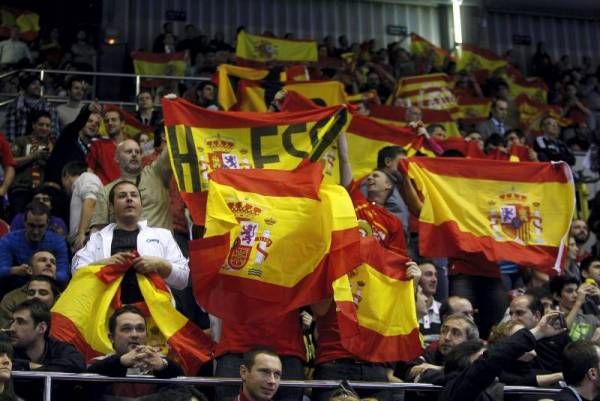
<point>584,238</point>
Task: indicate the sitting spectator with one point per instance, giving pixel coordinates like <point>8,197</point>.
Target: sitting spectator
<point>42,195</point>
<point>17,248</point>
<point>548,146</point>
<point>43,263</point>
<point>153,250</point>
<point>83,187</point>
<point>101,157</point>
<point>23,108</point>
<point>35,350</point>
<point>581,369</point>
<point>7,392</point>
<point>437,132</point>
<point>260,373</point>
<point>570,297</point>
<point>147,114</point>
<point>455,304</point>
<point>153,182</point>
<point>430,323</point>
<point>470,370</point>
<point>68,112</point>
<point>31,153</point>
<point>75,141</point>
<point>133,356</point>
<point>14,53</point>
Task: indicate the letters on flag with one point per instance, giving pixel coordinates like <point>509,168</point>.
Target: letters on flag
<point>375,306</point>
<point>201,141</point>
<point>275,240</point>
<point>500,210</point>
<point>94,291</point>
<point>430,91</point>
<point>264,49</point>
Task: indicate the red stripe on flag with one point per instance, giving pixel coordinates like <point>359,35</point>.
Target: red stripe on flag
<point>447,240</point>
<point>369,128</point>
<point>181,112</point>
<point>192,347</point>
<point>63,329</point>
<point>492,169</point>
<point>302,182</point>
<point>196,204</point>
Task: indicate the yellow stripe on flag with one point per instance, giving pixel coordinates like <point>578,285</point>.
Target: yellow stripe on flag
<point>264,49</point>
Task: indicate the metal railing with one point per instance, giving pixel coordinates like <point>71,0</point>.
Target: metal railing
<point>138,80</point>
<point>50,377</point>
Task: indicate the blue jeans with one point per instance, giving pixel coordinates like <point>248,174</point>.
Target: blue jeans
<point>228,365</point>
<point>346,369</point>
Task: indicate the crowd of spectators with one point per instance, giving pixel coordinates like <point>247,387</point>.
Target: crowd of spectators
<point>67,193</point>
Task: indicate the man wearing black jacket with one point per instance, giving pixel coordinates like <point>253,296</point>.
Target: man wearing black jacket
<point>74,142</point>
<point>127,332</point>
<point>581,369</point>
<point>470,369</point>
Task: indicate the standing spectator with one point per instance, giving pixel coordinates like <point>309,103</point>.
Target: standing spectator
<point>83,188</point>
<point>206,96</point>
<point>260,372</point>
<point>190,42</point>
<point>75,141</point>
<point>84,54</point>
<point>430,323</point>
<point>14,53</point>
<point>17,248</point>
<point>31,153</point>
<point>26,105</point>
<point>218,43</point>
<point>159,41</point>
<point>51,49</point>
<point>584,239</point>
<point>147,114</point>
<point>68,112</point>
<point>101,158</point>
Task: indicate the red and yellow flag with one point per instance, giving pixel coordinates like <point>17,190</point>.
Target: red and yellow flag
<point>430,91</point>
<point>375,306</point>
<point>500,210</point>
<point>264,49</point>
<point>275,240</point>
<point>421,47</point>
<point>473,59</point>
<point>535,88</point>
<point>94,292</point>
<point>531,109</point>
<point>201,141</point>
<point>146,63</point>
<point>469,149</point>
<point>227,94</point>
<point>474,110</point>
<point>27,21</point>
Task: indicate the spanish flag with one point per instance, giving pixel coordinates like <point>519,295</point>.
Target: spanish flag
<point>80,316</point>
<point>421,47</point>
<point>264,49</point>
<point>474,110</point>
<point>321,93</point>
<point>535,88</point>
<point>395,116</point>
<point>227,95</point>
<point>275,240</point>
<point>473,59</point>
<point>430,91</point>
<point>532,109</point>
<point>27,21</point>
<point>375,305</point>
<point>146,63</point>
<point>132,129</point>
<point>499,210</point>
<point>201,141</point>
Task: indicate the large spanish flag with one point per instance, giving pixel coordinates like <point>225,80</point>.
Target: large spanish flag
<point>421,47</point>
<point>201,141</point>
<point>80,316</point>
<point>473,59</point>
<point>27,21</point>
<point>430,91</point>
<point>500,210</point>
<point>264,49</point>
<point>375,306</point>
<point>275,240</point>
<point>146,63</point>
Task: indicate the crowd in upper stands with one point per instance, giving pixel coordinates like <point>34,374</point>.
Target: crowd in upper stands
<point>71,197</point>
